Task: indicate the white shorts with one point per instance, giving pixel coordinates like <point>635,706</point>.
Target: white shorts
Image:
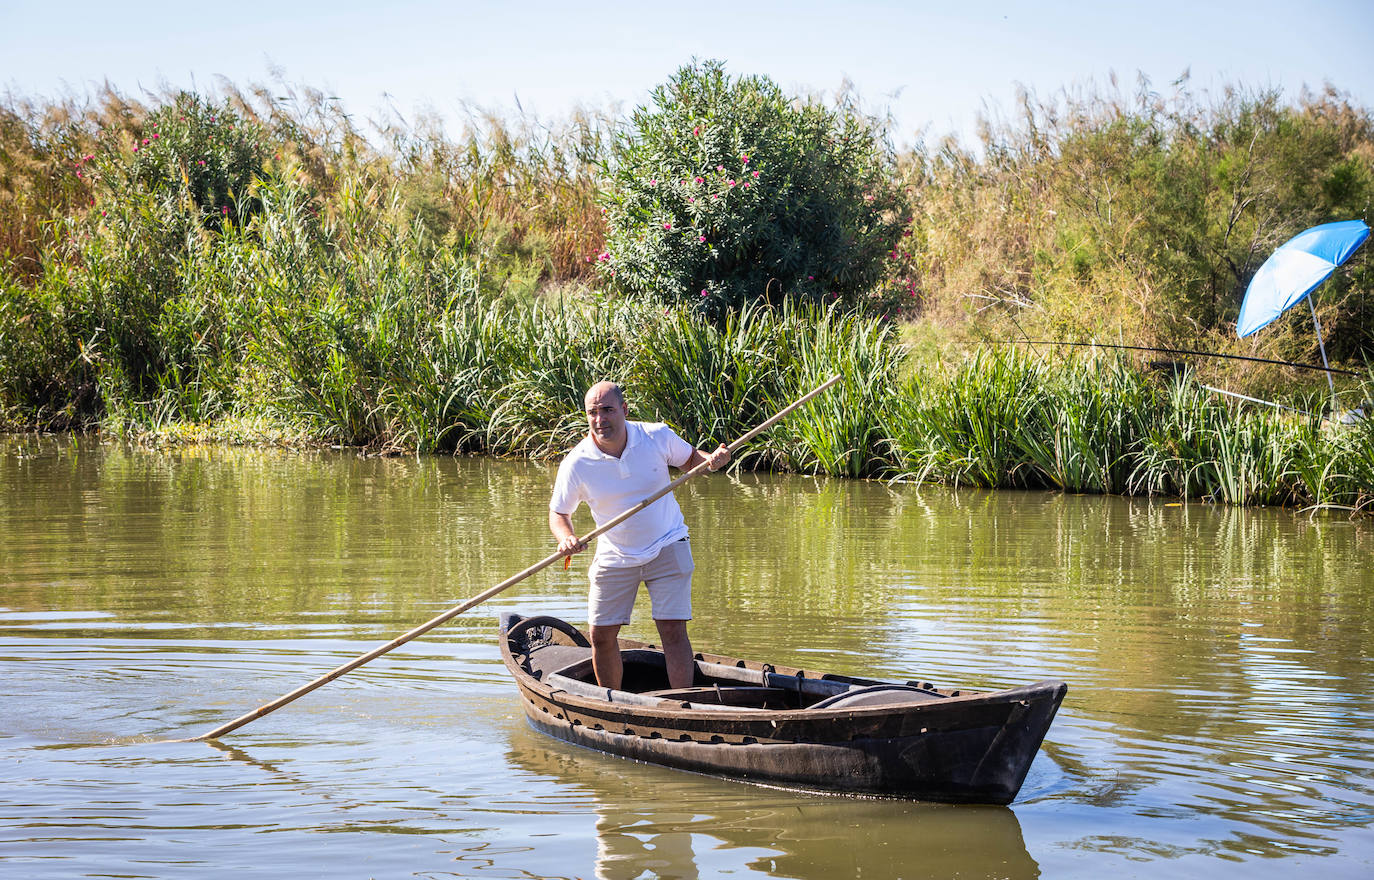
<point>668,577</point>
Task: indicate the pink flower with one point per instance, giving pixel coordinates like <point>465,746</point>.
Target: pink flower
<point>756,174</point>
<point>89,157</point>
<point>720,167</point>
<point>696,130</point>
<point>691,199</point>
<point>701,238</point>
<point>135,148</point>
<point>145,142</point>
<point>703,293</point>
<point>667,226</point>
<point>78,174</point>
<point>653,182</point>
<point>156,135</point>
<point>586,259</point>
<point>224,210</point>
<point>102,214</point>
<point>604,256</point>
<point>810,277</point>
<point>744,159</point>
<point>746,185</point>
<point>697,180</point>
<point>714,197</point>
<point>731,181</point>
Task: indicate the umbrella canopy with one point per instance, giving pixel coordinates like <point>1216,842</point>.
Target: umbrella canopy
<point>1297,268</point>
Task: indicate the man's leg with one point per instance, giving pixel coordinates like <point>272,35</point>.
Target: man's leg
<point>677,650</point>
<point>669,579</point>
<point>606,655</point>
<point>609,603</point>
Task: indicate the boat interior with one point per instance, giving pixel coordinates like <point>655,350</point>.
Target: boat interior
<point>559,655</point>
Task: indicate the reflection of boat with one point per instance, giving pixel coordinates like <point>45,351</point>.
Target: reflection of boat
<point>676,825</point>
<point>781,726</point>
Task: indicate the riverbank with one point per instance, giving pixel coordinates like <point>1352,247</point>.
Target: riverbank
<point>505,378</point>
<point>218,272</point>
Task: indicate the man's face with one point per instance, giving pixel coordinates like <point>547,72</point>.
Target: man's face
<point>606,413</point>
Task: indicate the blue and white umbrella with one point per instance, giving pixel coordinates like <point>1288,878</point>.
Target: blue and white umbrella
<point>1294,270</point>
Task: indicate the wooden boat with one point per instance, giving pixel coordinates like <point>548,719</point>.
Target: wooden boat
<point>776,725</point>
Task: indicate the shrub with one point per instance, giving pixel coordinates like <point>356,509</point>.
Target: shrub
<point>200,155</point>
<point>726,191</point>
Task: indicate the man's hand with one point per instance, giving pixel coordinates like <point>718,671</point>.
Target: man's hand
<point>568,542</point>
<point>718,459</point>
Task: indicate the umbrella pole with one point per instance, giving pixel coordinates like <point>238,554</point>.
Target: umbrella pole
<point>1322,346</point>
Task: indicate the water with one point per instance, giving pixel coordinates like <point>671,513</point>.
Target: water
<point>1219,723</point>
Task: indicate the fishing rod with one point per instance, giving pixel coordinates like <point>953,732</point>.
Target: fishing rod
<point>1236,357</point>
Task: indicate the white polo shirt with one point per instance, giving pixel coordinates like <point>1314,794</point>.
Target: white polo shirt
<point>610,486</point>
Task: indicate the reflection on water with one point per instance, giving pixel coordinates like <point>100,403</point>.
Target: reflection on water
<point>1218,721</point>
<point>666,823</point>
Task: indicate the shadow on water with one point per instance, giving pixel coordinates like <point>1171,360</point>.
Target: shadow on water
<point>673,824</point>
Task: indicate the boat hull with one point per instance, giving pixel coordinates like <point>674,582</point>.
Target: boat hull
<point>922,743</point>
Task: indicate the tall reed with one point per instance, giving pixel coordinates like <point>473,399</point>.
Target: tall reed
<point>424,299</point>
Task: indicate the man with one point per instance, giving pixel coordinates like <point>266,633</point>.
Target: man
<point>617,465</point>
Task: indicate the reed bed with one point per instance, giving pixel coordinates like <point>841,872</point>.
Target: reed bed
<point>394,344</point>
<point>406,302</point>
<point>1097,424</point>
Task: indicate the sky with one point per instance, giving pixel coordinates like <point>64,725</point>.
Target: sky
<point>933,66</point>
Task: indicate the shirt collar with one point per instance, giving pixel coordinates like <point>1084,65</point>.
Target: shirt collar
<point>632,433</point>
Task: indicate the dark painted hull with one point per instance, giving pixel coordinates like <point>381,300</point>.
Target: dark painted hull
<point>782,726</point>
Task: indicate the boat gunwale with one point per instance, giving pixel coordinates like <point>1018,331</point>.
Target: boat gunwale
<point>1034,692</point>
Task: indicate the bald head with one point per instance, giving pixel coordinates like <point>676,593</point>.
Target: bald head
<point>605,391</point>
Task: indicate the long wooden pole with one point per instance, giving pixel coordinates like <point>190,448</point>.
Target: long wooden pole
<point>487,594</point>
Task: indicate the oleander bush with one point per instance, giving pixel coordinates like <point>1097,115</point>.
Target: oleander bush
<point>726,191</point>
<point>192,155</point>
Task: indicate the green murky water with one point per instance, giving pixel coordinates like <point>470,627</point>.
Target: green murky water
<point>1220,718</point>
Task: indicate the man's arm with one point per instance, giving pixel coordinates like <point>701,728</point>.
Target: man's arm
<point>718,459</point>
<point>561,526</point>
